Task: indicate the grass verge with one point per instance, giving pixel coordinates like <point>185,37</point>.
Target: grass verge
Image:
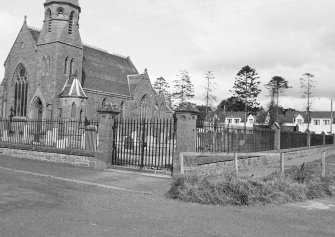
<point>298,184</point>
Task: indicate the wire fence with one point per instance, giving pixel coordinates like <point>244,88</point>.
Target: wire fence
<point>65,134</point>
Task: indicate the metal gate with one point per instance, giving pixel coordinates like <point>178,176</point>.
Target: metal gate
<point>144,143</point>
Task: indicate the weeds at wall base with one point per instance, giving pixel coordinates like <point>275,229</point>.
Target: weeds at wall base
<point>298,184</point>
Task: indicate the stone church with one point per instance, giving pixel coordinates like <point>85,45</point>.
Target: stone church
<point>50,73</point>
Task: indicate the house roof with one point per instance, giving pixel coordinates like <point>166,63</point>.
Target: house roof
<point>291,115</point>
<point>321,114</point>
<point>106,72</point>
<point>235,114</point>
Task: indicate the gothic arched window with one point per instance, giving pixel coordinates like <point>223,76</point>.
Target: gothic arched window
<point>104,102</point>
<point>48,64</point>
<point>161,109</point>
<point>21,91</point>
<point>72,69</point>
<point>44,65</point>
<point>81,115</point>
<point>73,110</point>
<point>143,107</point>
<point>71,22</point>
<point>122,110</point>
<point>66,66</point>
<point>48,19</point>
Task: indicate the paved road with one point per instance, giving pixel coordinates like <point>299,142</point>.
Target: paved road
<point>34,205</point>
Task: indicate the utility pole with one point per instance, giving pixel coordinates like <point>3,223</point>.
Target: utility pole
<point>331,116</point>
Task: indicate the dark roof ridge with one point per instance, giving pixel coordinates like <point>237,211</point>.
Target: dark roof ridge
<point>105,51</point>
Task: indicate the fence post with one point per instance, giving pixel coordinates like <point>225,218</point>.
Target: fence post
<point>276,128</point>
<point>186,115</point>
<point>323,138</point>
<point>308,138</point>
<point>236,163</point>
<point>282,163</point>
<point>105,148</point>
<point>323,161</point>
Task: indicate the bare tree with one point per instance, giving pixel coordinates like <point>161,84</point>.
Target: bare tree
<point>210,99</point>
<point>308,84</point>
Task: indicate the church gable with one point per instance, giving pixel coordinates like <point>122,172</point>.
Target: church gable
<point>25,43</point>
<point>106,72</point>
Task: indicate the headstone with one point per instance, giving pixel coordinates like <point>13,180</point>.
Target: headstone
<point>5,136</point>
<point>129,143</point>
<point>26,134</point>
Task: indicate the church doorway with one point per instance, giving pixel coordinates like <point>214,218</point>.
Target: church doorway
<point>37,109</point>
<point>37,115</point>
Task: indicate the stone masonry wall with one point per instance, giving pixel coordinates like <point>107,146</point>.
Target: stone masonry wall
<point>76,160</point>
<point>223,163</point>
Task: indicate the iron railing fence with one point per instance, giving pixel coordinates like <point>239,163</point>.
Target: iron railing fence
<point>222,138</point>
<point>329,139</point>
<point>316,139</point>
<point>290,139</point>
<point>62,133</point>
<point>144,143</point>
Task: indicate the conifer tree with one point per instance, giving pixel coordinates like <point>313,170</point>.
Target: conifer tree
<point>246,88</point>
<point>183,87</point>
<point>276,86</point>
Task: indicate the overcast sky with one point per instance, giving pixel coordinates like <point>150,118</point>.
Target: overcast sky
<point>277,37</point>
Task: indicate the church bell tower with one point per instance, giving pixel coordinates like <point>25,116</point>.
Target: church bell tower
<point>60,43</point>
<point>61,23</point>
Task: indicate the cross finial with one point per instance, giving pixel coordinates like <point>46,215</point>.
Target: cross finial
<point>25,20</point>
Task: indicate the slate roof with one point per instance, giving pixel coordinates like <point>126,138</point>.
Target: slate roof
<point>290,115</point>
<point>233,114</point>
<point>106,72</point>
<point>35,34</point>
<point>134,81</point>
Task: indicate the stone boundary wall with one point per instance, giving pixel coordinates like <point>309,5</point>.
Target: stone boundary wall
<point>62,156</point>
<point>204,163</point>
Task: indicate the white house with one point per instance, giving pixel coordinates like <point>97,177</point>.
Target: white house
<point>320,121</point>
<point>236,119</point>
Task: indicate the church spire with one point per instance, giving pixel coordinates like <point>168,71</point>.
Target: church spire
<point>25,20</point>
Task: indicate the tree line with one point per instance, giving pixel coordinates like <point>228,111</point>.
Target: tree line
<point>245,91</point>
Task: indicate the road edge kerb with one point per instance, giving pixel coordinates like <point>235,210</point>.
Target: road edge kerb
<point>135,172</point>
<point>76,181</point>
